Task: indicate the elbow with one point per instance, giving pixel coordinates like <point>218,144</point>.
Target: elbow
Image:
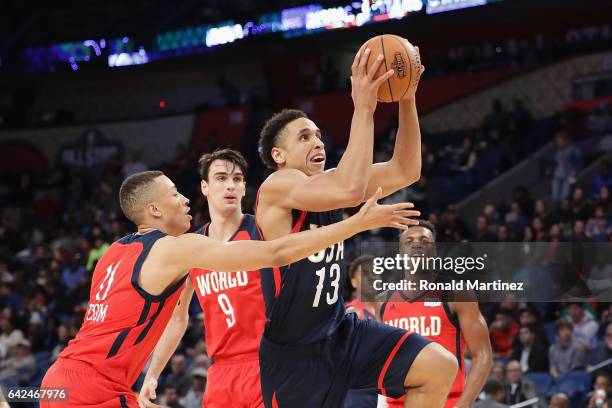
<point>354,195</point>
<point>484,358</point>
<point>280,255</point>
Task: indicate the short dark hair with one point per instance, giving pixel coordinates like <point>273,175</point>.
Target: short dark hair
<point>425,224</point>
<point>268,138</point>
<point>529,326</point>
<point>492,387</point>
<point>360,261</point>
<point>133,190</point>
<point>229,155</point>
<point>561,323</point>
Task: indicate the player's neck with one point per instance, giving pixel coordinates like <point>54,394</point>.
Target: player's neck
<point>223,226</point>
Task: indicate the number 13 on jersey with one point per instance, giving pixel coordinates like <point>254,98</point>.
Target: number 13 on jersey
<point>334,274</point>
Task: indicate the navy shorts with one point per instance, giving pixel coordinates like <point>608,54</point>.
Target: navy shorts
<point>361,354</point>
<point>361,399</point>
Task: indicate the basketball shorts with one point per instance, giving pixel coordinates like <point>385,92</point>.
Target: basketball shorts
<point>361,354</point>
<point>86,386</point>
<point>233,385</point>
<point>361,399</point>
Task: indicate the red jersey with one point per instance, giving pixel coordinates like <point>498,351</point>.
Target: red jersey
<point>433,320</point>
<point>233,305</point>
<point>123,322</point>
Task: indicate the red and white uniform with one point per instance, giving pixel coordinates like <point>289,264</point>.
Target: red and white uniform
<point>122,325</point>
<point>234,319</point>
<point>435,321</point>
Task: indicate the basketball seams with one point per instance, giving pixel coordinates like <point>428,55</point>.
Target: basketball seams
<point>402,45</point>
<point>382,44</point>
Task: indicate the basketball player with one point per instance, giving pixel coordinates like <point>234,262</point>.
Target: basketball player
<point>311,353</point>
<point>451,324</point>
<point>139,280</point>
<point>234,310</point>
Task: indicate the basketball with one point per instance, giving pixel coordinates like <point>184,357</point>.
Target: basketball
<point>399,55</point>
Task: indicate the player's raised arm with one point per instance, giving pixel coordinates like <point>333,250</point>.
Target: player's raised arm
<point>404,167</point>
<point>292,146</point>
<point>194,250</point>
<point>476,335</point>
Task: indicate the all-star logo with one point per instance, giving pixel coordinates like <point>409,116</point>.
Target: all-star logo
<point>399,64</point>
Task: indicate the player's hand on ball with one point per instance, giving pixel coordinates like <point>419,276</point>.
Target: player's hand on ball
<point>374,216</point>
<point>147,394</point>
<point>410,94</point>
<point>364,87</point>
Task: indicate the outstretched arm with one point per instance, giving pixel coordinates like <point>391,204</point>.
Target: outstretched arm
<point>474,329</point>
<point>187,251</point>
<point>404,167</point>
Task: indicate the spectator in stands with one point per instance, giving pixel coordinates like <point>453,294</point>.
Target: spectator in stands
<point>465,156</point>
<point>482,233</point>
<point>495,395</point>
<point>503,234</point>
<point>179,378</point>
<point>531,354</point>
<point>568,161</point>
<point>520,119</point>
<point>601,178</point>
<point>603,200</point>
<point>559,401</point>
<point>602,352</point>
<point>521,196</point>
<point>10,335</point>
<point>74,272</point>
<point>193,398</point>
<point>597,225</point>
<point>566,354</point>
<point>21,366</point>
<point>539,211</point>
<point>37,334</point>
<point>518,388</point>
<point>603,382</point>
<point>529,316</point>
<point>515,219</point>
<point>100,246</point>
<point>63,336</point>
<point>498,372</point>
<point>539,232</point>
<point>493,219</point>
<point>170,398</point>
<point>581,208</point>
<point>503,331</point>
<point>452,227</point>
<point>579,232</point>
<point>585,327</point>
<point>496,122</point>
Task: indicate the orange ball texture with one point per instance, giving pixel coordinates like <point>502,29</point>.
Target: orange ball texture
<point>399,55</point>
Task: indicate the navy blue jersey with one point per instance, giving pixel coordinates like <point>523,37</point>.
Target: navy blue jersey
<point>304,300</point>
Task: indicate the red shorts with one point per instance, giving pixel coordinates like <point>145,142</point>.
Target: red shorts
<point>233,385</point>
<point>85,386</point>
<point>399,403</point>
